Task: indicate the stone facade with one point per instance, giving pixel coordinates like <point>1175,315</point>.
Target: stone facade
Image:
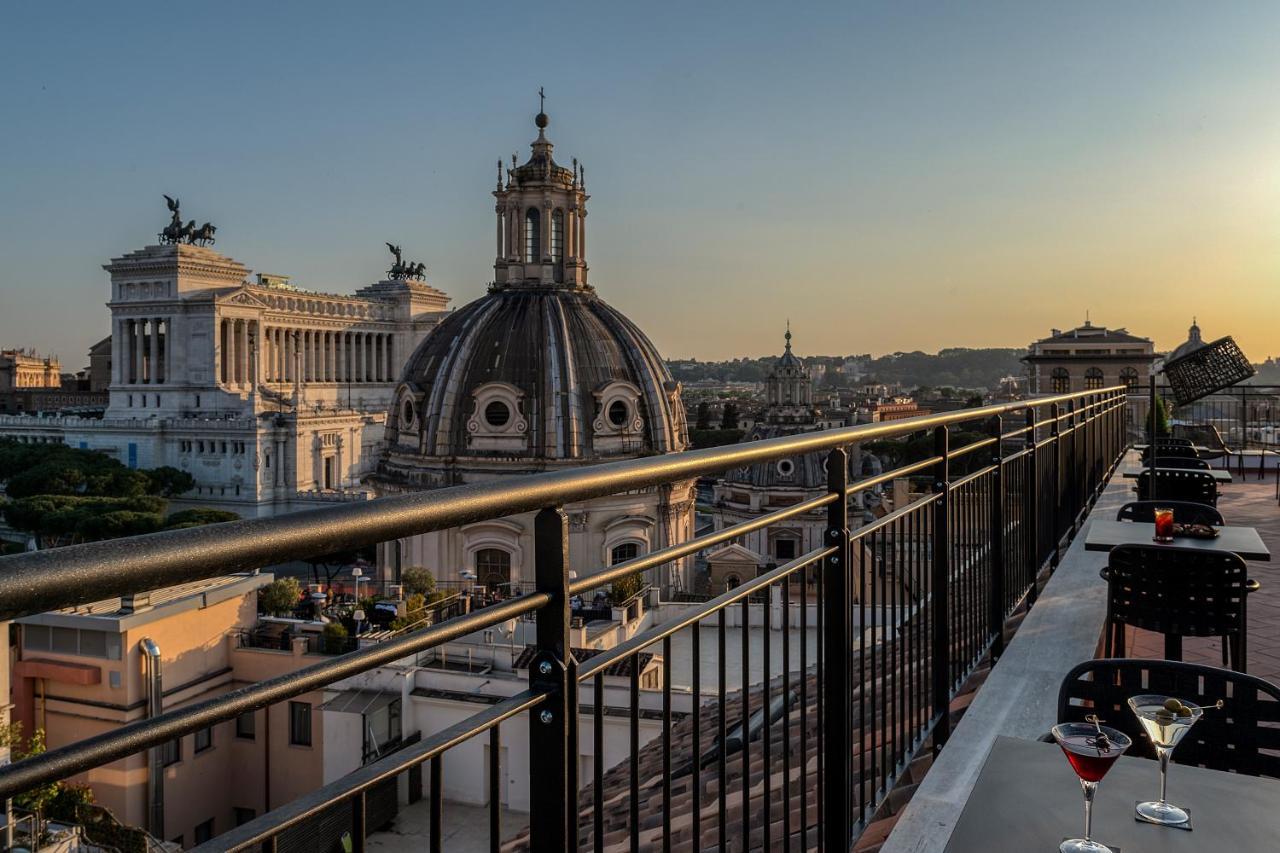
<point>270,396</point>
<point>23,369</point>
<point>1088,357</point>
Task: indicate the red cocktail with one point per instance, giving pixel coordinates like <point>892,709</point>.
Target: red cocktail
<point>1164,524</point>
<point>1092,749</point>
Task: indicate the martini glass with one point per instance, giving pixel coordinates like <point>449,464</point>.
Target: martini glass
<point>1092,749</point>
<point>1165,720</point>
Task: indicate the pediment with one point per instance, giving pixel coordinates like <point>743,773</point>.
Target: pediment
<point>243,298</point>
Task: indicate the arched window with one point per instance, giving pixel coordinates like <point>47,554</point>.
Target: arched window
<point>732,581</point>
<point>532,235</point>
<point>1093,378</point>
<point>1129,378</point>
<point>493,567</point>
<point>557,235</point>
<point>622,553</point>
<point>1060,380</point>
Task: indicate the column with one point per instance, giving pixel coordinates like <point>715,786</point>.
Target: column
<point>340,478</point>
<point>281,364</point>
<point>344,373</point>
<point>377,358</point>
<point>330,357</point>
<point>137,351</point>
<point>153,349</point>
<point>499,217</point>
<point>255,353</point>
<point>242,352</point>
<point>571,233</point>
<point>317,359</point>
<point>359,356</point>
<point>582,235</point>
<point>288,354</point>
<point>544,222</point>
<point>157,373</point>
<point>393,367</point>
<point>117,347</point>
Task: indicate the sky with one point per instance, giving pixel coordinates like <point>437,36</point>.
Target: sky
<point>888,176</point>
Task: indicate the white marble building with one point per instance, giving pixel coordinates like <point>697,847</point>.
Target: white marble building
<point>270,396</point>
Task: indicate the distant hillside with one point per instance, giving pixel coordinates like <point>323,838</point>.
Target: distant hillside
<point>955,367</point>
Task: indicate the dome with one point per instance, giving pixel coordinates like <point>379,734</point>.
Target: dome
<point>534,373</point>
<point>1193,342</point>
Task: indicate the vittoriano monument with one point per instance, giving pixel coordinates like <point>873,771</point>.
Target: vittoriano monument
<point>405,269</point>
<point>175,232</point>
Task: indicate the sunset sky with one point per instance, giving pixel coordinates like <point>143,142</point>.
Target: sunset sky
<point>889,176</point>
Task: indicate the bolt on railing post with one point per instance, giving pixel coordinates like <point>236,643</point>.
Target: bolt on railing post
<point>837,641</point>
<point>1055,434</point>
<point>997,590</point>
<point>549,674</point>
<point>941,580</point>
<point>1031,505</point>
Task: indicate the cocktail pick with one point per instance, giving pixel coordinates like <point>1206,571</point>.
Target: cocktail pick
<point>1101,741</point>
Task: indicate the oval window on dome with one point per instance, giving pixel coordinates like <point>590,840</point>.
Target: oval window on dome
<point>406,412</point>
<point>786,467</point>
<point>497,414</point>
<point>619,413</point>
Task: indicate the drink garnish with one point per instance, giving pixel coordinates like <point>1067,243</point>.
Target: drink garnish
<point>1100,741</point>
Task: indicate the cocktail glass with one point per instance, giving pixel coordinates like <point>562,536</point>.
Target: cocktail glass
<point>1091,749</point>
<point>1164,524</point>
<point>1165,720</point>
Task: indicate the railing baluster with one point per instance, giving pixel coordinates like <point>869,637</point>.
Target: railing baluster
<point>941,665</point>
<point>996,592</point>
<point>633,780</point>
<point>1031,503</point>
<point>495,796</point>
<point>696,679</point>
<point>723,721</point>
<point>666,742</point>
<point>837,724</point>
<point>359,826</point>
<point>786,709</point>
<point>549,675</point>
<point>437,804</point>
<point>598,748</point>
<point>804,707</point>
<point>765,753</point>
<point>746,723</point>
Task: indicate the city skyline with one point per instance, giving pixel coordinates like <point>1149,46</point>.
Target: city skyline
<point>1115,164</point>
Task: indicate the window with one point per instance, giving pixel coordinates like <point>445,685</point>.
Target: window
<point>171,752</point>
<point>786,467</point>
<point>497,414</point>
<point>1093,379</point>
<point>785,549</point>
<point>71,641</point>
<point>619,413</point>
<point>300,723</point>
<point>203,739</point>
<point>243,816</point>
<point>204,832</point>
<point>246,726</point>
<point>532,235</point>
<point>1129,378</point>
<point>622,553</point>
<point>493,567</point>
<point>732,581</point>
<point>557,235</point>
<point>1060,381</point>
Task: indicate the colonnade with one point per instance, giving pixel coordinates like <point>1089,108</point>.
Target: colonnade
<point>328,356</point>
<point>511,233</point>
<point>140,351</point>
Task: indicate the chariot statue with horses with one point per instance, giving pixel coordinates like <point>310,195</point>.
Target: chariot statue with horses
<point>402,270</point>
<point>176,232</point>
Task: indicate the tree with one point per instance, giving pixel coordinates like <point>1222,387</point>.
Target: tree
<point>418,581</point>
<point>169,482</point>
<point>729,419</point>
<point>36,799</point>
<point>334,638</point>
<point>280,596</point>
<point>333,563</point>
<point>198,518</point>
<point>1162,417</point>
<point>623,588</point>
<point>57,520</point>
<point>704,416</point>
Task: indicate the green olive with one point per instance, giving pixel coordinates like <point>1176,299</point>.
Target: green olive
<point>1163,717</point>
<point>1172,705</point>
<point>1184,711</point>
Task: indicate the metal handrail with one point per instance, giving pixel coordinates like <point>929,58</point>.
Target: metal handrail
<point>78,574</point>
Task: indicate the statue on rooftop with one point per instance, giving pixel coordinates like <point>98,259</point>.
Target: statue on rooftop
<point>175,232</point>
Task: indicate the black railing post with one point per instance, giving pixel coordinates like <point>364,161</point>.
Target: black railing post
<point>549,674</point>
<point>837,633</point>
<point>1055,508</point>
<point>941,581</point>
<point>1031,505</point>
<point>997,591</point>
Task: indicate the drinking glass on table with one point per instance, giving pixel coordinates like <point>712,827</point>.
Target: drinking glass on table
<point>1165,720</point>
<point>1092,749</point>
<point>1164,524</point>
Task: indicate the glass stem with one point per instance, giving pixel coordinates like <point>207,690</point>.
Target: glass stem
<point>1163,754</point>
<point>1089,788</point>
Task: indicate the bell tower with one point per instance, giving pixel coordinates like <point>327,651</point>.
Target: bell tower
<point>541,215</point>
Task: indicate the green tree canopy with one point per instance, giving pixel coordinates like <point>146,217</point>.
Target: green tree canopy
<point>418,581</point>
<point>198,518</point>
<point>280,596</point>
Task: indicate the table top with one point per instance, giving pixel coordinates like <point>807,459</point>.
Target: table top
<point>1027,799</point>
<point>1104,535</point>
<point>1219,475</point>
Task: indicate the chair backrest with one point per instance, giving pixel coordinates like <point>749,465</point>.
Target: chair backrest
<point>1180,462</point>
<point>1242,737</point>
<point>1180,442</point>
<point>1170,590</point>
<point>1179,485</point>
<point>1183,512</point>
<point>1184,451</point>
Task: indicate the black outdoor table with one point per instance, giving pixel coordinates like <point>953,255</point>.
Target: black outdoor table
<point>1219,475</point>
<point>1027,799</point>
<point>1104,535</point>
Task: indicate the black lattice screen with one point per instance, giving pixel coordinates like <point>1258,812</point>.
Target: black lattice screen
<point>1211,368</point>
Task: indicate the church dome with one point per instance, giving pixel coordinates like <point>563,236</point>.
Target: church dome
<point>536,373</point>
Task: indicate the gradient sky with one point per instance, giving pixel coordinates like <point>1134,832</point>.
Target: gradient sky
<point>889,176</point>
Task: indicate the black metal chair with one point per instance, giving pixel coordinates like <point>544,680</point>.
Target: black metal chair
<point>1180,463</point>
<point>1241,737</point>
<point>1176,451</point>
<point>1179,442</point>
<point>1179,485</point>
<point>1178,592</point>
<point>1186,513</point>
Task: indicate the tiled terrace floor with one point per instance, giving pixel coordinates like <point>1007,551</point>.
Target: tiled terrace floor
<point>1252,504</point>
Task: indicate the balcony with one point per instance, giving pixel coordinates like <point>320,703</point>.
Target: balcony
<point>738,745</point>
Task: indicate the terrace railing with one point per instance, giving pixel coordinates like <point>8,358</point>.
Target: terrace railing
<point>798,757</point>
